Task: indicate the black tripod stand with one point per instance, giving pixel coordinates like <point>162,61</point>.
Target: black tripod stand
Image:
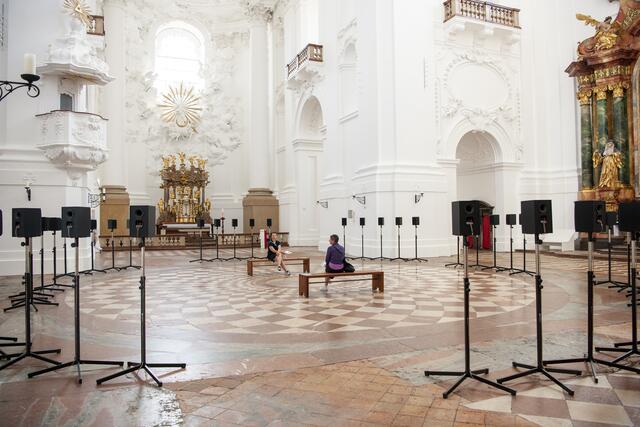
<point>399,257</point>
<point>13,342</point>
<point>539,368</point>
<point>457,263</point>
<point>137,267</point>
<point>112,243</point>
<point>51,287</point>
<point>200,259</point>
<point>613,283</point>
<point>415,245</point>
<point>501,269</point>
<point>234,257</point>
<point>524,260</point>
<point>588,358</point>
<point>54,252</point>
<point>93,256</point>
<point>477,264</point>
<point>64,250</point>
<point>381,257</point>
<point>28,287</point>
<point>77,360</point>
<point>136,366</point>
<point>495,264</point>
<point>217,240</point>
<point>468,373</point>
<point>629,348</point>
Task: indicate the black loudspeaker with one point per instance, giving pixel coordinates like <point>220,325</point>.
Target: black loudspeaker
<point>380,220</point>
<point>94,224</point>
<point>362,222</point>
<point>494,220</point>
<point>537,217</point>
<point>398,220</point>
<point>76,221</point>
<point>415,220</point>
<point>51,224</point>
<point>200,223</point>
<point>520,218</point>
<point>344,222</point>
<point>234,223</point>
<point>510,219</point>
<point>612,219</point>
<point>26,222</point>
<point>0,222</point>
<point>590,216</point>
<point>629,217</point>
<point>269,222</point>
<point>112,224</point>
<point>465,217</point>
<point>142,221</point>
<point>216,223</point>
<point>252,223</point>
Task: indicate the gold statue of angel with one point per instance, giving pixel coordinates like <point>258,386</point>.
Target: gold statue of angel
<point>611,161</point>
<point>607,31</point>
<point>207,205</point>
<point>202,163</point>
<point>161,206</point>
<point>166,161</point>
<point>182,157</point>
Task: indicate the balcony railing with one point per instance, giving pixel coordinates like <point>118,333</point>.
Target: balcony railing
<point>312,52</point>
<point>482,11</point>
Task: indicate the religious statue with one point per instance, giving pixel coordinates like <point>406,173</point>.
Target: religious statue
<point>182,157</point>
<point>166,161</point>
<point>202,163</point>
<point>611,161</point>
<point>161,206</point>
<point>607,32</point>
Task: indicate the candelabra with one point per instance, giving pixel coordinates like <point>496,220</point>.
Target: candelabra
<point>33,91</point>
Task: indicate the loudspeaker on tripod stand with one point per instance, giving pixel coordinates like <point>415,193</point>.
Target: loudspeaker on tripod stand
<point>344,222</point>
<point>465,217</point>
<point>26,222</point>
<point>234,223</point>
<point>415,221</point>
<point>380,221</point>
<point>590,216</point>
<point>142,221</point>
<point>76,221</point>
<point>112,224</point>
<point>362,222</point>
<point>510,219</point>
<point>252,223</point>
<point>398,220</point>
<point>216,223</point>
<point>536,217</point>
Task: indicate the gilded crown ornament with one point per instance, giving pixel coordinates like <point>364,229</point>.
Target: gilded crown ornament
<point>181,106</point>
<point>79,10</point>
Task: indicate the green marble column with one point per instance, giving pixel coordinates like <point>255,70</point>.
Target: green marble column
<point>603,128</point>
<point>621,134</point>
<point>586,139</point>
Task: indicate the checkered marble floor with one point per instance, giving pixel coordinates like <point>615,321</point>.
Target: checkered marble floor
<point>222,298</point>
<point>614,401</point>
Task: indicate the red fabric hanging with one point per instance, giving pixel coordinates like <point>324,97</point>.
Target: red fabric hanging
<point>486,232</point>
<point>470,241</point>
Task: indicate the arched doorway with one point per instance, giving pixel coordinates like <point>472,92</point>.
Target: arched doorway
<point>307,149</point>
<point>478,153</point>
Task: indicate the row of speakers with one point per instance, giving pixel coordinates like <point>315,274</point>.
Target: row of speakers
<point>414,221</point>
<point>77,222</point>
<point>217,223</point>
<point>590,216</point>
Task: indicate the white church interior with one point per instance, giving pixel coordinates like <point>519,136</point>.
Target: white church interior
<point>319,212</point>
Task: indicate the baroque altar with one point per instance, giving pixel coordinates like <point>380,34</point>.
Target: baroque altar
<point>606,71</point>
<point>184,180</point>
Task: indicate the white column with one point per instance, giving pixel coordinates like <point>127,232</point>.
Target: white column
<point>113,171</point>
<point>259,145</point>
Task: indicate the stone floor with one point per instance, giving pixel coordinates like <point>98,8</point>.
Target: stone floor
<point>257,354</point>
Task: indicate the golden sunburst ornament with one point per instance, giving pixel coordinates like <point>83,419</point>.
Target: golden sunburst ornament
<point>79,10</point>
<point>181,106</point>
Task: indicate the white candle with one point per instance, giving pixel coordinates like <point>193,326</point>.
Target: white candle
<point>29,64</point>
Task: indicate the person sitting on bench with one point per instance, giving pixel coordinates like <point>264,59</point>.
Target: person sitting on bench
<point>335,259</point>
<point>275,253</point>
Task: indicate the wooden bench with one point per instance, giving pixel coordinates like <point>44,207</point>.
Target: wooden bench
<point>253,263</point>
<point>376,277</point>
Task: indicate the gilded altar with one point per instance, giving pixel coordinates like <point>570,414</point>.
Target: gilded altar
<point>184,180</point>
<point>606,72</point>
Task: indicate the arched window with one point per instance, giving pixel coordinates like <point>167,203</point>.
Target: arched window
<point>179,56</point>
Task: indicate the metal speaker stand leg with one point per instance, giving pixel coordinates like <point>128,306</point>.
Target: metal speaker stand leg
<point>524,261</point>
<point>142,365</point>
<point>467,373</point>
<point>217,240</point>
<point>415,246</point>
<point>630,348</point>
<point>64,249</point>
<point>501,269</point>
<point>613,283</point>
<point>200,258</point>
<point>457,263</point>
<point>28,352</point>
<point>399,257</point>
<point>589,358</point>
<point>112,243</point>
<point>54,252</point>
<point>495,260</point>
<point>93,257</point>
<point>539,367</point>
<point>381,257</point>
<point>13,342</point>
<point>137,267</point>
<point>77,360</point>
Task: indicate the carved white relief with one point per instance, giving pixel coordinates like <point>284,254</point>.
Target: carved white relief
<point>75,55</point>
<point>76,142</point>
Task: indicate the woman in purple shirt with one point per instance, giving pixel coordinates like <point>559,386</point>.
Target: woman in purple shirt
<point>334,259</point>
